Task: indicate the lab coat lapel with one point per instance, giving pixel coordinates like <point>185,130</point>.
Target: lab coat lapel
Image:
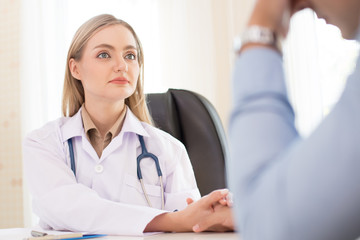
<point>131,125</point>
<point>73,128</point>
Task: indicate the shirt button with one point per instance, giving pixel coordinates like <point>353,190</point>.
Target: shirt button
<point>99,168</point>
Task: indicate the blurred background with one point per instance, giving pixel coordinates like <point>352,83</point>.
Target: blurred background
<point>188,44</point>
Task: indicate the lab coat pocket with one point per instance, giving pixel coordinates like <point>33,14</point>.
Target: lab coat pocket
<point>133,194</point>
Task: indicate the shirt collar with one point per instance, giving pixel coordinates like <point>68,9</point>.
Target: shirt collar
<point>116,128</point>
<point>89,124</point>
<point>73,126</point>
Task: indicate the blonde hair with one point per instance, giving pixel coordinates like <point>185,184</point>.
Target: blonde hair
<point>73,91</point>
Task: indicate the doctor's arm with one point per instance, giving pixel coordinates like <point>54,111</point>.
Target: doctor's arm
<point>180,180</point>
<point>63,204</point>
<point>216,216</point>
<point>180,191</point>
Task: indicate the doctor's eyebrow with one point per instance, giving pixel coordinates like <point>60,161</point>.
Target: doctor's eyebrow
<point>108,46</point>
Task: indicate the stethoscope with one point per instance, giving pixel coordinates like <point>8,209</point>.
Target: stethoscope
<point>144,154</point>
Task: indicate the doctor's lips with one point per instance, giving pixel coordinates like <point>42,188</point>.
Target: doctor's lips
<point>119,80</point>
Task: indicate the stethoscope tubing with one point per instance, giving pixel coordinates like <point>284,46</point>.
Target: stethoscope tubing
<point>144,154</point>
<point>72,158</point>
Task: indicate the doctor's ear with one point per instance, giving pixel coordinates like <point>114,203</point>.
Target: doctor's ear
<point>73,66</point>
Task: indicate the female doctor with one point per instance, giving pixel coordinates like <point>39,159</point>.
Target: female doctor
<point>83,169</point>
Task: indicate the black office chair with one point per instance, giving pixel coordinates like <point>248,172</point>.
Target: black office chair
<point>193,120</point>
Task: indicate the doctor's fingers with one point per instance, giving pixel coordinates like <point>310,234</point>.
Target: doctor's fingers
<point>214,197</point>
<point>189,201</point>
<point>227,200</point>
<point>220,221</point>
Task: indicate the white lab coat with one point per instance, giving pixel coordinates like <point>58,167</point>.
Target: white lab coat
<point>106,196</point>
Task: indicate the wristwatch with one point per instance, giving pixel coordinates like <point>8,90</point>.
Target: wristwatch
<point>259,34</point>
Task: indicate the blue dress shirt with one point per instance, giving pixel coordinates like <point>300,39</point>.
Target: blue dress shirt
<point>286,187</point>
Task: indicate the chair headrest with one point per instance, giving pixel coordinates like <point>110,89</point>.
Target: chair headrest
<point>164,113</point>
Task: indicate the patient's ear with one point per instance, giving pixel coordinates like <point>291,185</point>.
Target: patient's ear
<point>298,5</point>
<point>74,69</point>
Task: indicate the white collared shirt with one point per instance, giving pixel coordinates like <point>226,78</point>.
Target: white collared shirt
<point>106,196</point>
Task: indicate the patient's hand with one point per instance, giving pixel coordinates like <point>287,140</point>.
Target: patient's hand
<point>221,218</point>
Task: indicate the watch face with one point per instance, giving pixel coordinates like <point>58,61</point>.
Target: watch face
<point>258,34</point>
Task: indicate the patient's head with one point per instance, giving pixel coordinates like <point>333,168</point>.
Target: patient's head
<point>345,14</point>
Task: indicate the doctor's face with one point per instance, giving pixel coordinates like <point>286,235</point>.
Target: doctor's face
<point>108,68</point>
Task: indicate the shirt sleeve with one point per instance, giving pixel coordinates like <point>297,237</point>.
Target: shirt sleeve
<point>287,187</point>
<point>63,204</point>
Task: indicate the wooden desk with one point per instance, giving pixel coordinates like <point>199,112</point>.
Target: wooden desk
<point>22,233</point>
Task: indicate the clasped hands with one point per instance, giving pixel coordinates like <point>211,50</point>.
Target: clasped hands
<point>212,212</point>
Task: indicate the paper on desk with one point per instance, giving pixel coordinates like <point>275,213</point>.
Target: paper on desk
<point>69,236</point>
<point>60,236</point>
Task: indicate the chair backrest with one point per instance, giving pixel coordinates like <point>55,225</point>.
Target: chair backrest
<point>193,120</point>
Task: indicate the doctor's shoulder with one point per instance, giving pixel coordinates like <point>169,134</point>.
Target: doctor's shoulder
<point>49,133</point>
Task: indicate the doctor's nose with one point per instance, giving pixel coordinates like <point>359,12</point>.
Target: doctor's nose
<point>120,65</point>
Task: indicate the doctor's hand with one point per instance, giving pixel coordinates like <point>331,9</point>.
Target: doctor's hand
<point>208,212</point>
<point>227,200</point>
<point>220,218</point>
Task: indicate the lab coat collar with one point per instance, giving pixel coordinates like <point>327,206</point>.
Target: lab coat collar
<point>73,127</point>
<point>133,124</point>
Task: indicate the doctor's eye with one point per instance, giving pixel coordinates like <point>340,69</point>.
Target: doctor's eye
<point>103,55</point>
<point>130,56</point>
